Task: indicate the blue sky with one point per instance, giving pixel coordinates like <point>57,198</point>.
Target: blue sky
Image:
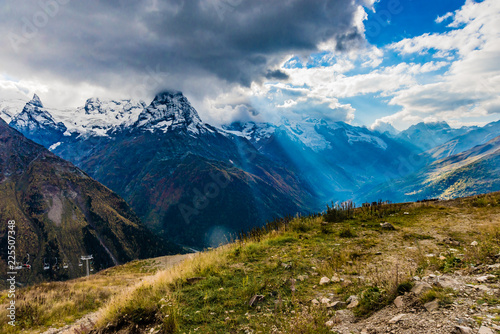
<point>396,20</point>
<point>412,67</point>
<point>365,62</point>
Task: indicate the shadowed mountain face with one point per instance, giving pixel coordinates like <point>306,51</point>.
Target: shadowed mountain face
<point>61,214</point>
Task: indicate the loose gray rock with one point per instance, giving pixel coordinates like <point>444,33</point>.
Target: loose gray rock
<point>431,306</point>
<point>351,299</point>
<point>324,280</point>
<point>337,305</point>
<point>420,288</point>
<point>325,300</point>
<point>353,304</point>
<point>447,282</point>
<point>463,330</point>
<point>484,278</point>
<point>399,302</point>
<point>397,318</point>
<point>485,330</point>
<point>387,226</point>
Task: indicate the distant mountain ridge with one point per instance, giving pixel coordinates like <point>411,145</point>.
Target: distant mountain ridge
<point>471,172</point>
<point>429,135</point>
<point>162,159</point>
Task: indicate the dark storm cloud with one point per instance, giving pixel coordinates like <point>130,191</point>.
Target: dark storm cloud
<point>238,41</point>
<point>276,74</point>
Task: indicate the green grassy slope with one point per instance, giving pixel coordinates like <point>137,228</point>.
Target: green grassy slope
<point>211,291</point>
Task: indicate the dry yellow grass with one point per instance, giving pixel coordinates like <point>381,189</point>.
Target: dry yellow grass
<point>59,303</point>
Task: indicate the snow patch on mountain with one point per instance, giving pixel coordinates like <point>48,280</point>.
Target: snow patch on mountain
<point>252,131</point>
<point>315,134</point>
<point>99,117</point>
<point>10,108</point>
<point>54,146</point>
<point>363,137</point>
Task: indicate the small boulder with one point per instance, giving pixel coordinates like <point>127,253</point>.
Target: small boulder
<point>474,243</point>
<point>397,318</point>
<point>325,300</point>
<point>351,298</point>
<point>448,283</point>
<point>336,305</point>
<point>485,330</point>
<point>315,302</point>
<point>387,226</point>
<point>302,278</point>
<point>398,302</point>
<point>324,280</point>
<point>463,330</point>
<point>335,279</point>
<point>329,323</point>
<point>352,302</point>
<point>483,279</point>
<point>431,306</point>
<point>420,288</point>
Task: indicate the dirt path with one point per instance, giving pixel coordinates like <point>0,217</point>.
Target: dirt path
<point>87,322</point>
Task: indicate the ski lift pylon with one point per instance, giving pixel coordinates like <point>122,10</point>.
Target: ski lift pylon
<point>46,266</point>
<point>27,264</point>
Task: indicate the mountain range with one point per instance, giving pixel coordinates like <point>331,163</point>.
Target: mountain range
<point>61,214</point>
<point>196,184</point>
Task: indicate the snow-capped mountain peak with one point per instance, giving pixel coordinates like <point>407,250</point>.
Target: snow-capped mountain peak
<point>384,128</point>
<point>37,123</point>
<point>35,116</point>
<point>169,110</point>
<point>36,102</point>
